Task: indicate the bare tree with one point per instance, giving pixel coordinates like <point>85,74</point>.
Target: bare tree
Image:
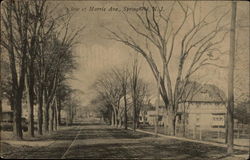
<point>108,87</point>
<point>141,94</point>
<point>54,63</point>
<point>35,11</point>
<point>139,91</point>
<point>40,58</point>
<point>102,106</point>
<point>123,77</point>
<point>197,46</point>
<point>134,89</point>
<point>15,40</point>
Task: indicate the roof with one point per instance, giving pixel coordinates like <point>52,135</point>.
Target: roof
<point>208,93</point>
<point>201,93</point>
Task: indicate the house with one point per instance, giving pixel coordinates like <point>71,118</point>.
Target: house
<point>202,106</point>
<point>148,114</point>
<point>25,111</point>
<point>205,108</point>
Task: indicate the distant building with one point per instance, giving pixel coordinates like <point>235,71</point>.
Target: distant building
<point>25,112</point>
<point>148,115</point>
<point>5,105</point>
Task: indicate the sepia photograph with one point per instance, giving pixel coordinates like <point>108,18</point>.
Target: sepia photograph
<point>125,79</point>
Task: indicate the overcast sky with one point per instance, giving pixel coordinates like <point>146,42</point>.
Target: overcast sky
<point>96,54</point>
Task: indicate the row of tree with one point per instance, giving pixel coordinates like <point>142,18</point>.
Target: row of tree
<point>38,44</point>
<point>121,95</point>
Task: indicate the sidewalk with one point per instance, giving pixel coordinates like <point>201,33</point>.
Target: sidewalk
<point>242,148</point>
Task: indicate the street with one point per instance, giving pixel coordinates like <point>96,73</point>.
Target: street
<point>88,141</point>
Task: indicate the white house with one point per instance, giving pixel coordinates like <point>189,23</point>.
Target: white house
<point>206,109</point>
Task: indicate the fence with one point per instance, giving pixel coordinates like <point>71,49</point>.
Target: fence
<point>206,133</point>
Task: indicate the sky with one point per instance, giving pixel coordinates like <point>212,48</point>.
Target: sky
<point>97,54</point>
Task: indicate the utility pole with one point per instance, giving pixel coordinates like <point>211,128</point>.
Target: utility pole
<point>230,107</point>
<point>248,125</point>
<point>1,88</point>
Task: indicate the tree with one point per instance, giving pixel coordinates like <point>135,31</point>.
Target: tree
<point>117,86</point>
<point>108,87</point>
<point>62,94</point>
<point>197,46</point>
<point>241,113</point>
<point>39,46</point>
<point>54,63</point>
<point>60,63</point>
<point>134,90</point>
<point>5,80</point>
<point>139,91</point>
<point>102,107</point>
<point>15,40</point>
<point>123,78</point>
<point>36,21</point>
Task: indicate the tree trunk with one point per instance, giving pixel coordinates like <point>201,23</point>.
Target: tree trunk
<point>125,113</point>
<point>134,114</point>
<point>120,122</point>
<point>40,111</point>
<point>143,118</point>
<point>184,125</point>
<point>112,118</point>
<point>45,114</point>
<point>165,124</point>
<point>51,118</point>
<point>17,87</point>
<point>68,117</point>
<point>71,114</point>
<point>54,119</point>
<point>59,116</point>
<point>137,122</point>
<point>226,128</point>
<point>56,115</point>
<point>116,120</point>
<point>171,124</point>
<point>30,105</point>
<point>17,118</point>
<point>230,108</point>
<point>59,112</point>
<point>184,119</point>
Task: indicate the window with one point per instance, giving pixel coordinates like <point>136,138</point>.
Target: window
<point>197,117</point>
<point>218,119</point>
<point>159,118</point>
